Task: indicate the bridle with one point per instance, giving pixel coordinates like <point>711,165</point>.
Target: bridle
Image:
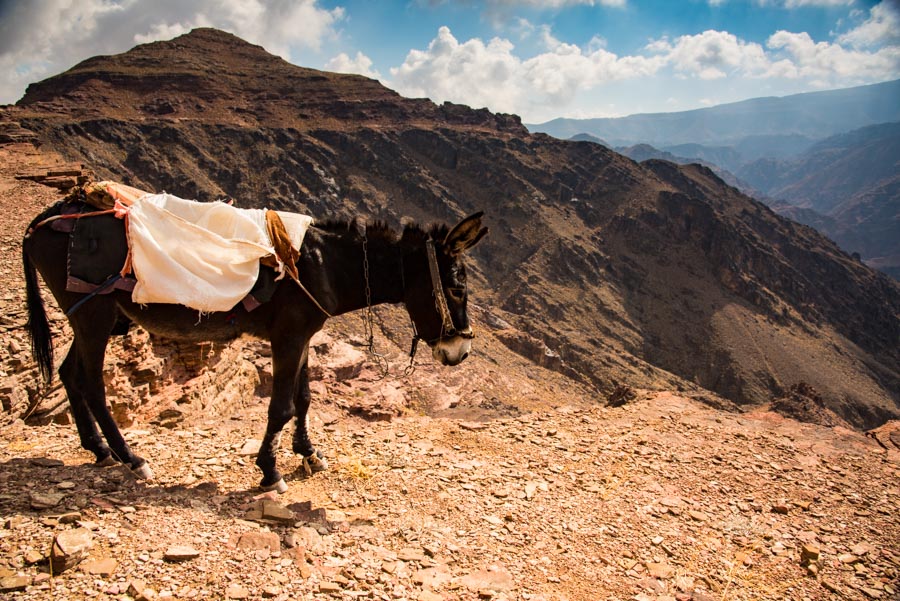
<point>448,330</point>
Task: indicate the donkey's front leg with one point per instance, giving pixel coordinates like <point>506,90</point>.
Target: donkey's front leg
<point>287,356</point>
<point>313,460</point>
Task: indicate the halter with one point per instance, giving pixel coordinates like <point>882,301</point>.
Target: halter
<point>440,299</point>
<point>448,330</point>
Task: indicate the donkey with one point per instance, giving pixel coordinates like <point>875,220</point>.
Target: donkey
<point>341,269</point>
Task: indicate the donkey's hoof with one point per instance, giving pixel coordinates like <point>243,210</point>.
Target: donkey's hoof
<point>107,461</point>
<point>280,487</point>
<point>143,472</point>
<point>315,463</point>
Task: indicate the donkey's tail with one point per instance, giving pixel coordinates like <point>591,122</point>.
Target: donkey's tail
<point>38,326</point>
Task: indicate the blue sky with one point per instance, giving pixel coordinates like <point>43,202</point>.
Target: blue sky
<point>538,59</point>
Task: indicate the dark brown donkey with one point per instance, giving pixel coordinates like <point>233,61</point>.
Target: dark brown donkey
<point>341,268</point>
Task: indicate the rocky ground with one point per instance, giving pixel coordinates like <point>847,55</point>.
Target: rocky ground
<point>659,499</point>
<point>494,480</point>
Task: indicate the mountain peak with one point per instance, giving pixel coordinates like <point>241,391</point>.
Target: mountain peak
<point>208,75</point>
<point>212,76</point>
<point>211,34</point>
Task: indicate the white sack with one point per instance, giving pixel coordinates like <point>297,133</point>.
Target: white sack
<point>201,255</point>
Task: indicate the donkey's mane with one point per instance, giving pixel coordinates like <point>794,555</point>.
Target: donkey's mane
<point>379,230</point>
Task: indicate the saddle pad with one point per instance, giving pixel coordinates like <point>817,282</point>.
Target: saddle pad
<point>97,247</point>
<point>201,255</point>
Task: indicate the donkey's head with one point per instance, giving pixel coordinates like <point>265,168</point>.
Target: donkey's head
<point>437,293</point>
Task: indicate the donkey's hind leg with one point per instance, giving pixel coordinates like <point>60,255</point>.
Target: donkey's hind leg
<point>313,460</point>
<point>91,439</point>
<point>91,325</point>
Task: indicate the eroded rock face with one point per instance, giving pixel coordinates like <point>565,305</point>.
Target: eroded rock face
<point>888,436</point>
<point>804,404</point>
<point>530,347</point>
<point>158,381</point>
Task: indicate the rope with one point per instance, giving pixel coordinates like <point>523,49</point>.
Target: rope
<point>44,222</point>
<point>310,296</point>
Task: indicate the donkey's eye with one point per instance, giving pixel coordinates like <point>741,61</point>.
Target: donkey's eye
<point>457,294</point>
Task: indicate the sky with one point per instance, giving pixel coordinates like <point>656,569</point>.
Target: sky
<point>539,59</point>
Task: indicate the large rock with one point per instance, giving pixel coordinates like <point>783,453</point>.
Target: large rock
<point>493,578</point>
<point>530,347</point>
<point>70,548</point>
<point>258,541</point>
<point>335,359</point>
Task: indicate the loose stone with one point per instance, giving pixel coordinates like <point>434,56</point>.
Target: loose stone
<point>236,592</point>
<point>100,567</point>
<point>179,553</point>
<point>70,548</point>
<point>12,584</point>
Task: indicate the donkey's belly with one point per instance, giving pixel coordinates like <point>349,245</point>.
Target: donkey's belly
<point>189,325</point>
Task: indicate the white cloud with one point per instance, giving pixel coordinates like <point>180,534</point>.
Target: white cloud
<point>555,81</point>
<point>360,64</point>
<point>826,64</point>
<point>473,72</point>
<point>712,55</point>
<point>522,28</point>
<point>881,28</point>
<point>42,37</point>
<point>492,75</point>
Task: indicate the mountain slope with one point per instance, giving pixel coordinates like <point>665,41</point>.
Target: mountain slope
<point>832,171</point>
<point>812,115</point>
<point>643,152</point>
<point>853,179</point>
<point>651,275</point>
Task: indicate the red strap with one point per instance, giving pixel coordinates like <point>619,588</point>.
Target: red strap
<point>69,216</point>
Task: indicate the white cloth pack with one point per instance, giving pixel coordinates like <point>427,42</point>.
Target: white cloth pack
<point>204,255</point>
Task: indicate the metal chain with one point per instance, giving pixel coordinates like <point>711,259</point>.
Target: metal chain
<point>411,366</point>
<point>369,319</point>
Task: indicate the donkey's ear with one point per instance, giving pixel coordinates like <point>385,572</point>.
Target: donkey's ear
<point>466,234</point>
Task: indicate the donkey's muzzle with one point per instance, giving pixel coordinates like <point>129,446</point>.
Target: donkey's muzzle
<point>453,350</point>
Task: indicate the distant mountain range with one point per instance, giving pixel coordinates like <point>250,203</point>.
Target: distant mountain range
<point>645,152</point>
<point>847,186</point>
<point>826,159</point>
<point>788,124</point>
